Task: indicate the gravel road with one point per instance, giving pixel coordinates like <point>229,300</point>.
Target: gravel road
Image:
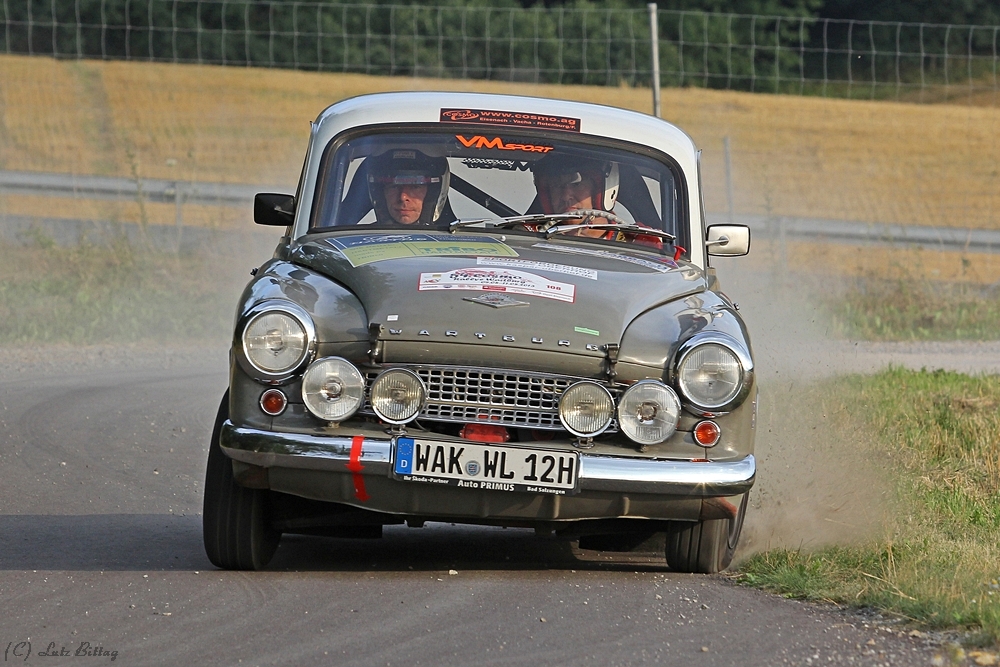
<point>101,471</point>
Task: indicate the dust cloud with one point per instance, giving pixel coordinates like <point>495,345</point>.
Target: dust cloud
<point>816,483</point>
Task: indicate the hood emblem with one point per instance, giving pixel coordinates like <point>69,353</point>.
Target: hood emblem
<point>494,300</point>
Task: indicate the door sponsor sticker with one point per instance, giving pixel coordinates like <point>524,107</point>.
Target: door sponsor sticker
<point>579,271</point>
<point>509,119</point>
<point>367,248</point>
<point>486,467</point>
<point>507,281</point>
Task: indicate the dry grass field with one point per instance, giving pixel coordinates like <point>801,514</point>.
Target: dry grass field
<point>797,156</point>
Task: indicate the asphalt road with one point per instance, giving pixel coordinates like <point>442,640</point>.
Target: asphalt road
<point>101,473</point>
<point>102,455</point>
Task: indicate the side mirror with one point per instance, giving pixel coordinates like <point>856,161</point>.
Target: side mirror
<point>728,240</point>
<point>273,209</point>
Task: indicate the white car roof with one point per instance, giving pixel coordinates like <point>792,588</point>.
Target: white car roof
<point>531,112</point>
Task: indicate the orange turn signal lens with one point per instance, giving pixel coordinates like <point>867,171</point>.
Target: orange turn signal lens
<point>273,402</point>
<point>706,433</point>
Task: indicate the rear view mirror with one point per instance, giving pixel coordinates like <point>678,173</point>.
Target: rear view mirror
<point>728,240</point>
<point>273,209</point>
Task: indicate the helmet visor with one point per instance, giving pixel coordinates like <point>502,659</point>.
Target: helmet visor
<point>405,178</point>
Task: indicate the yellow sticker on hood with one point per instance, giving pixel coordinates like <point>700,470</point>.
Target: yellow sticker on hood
<point>368,248</point>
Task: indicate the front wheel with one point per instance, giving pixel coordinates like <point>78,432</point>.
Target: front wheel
<point>235,519</point>
<point>705,547</point>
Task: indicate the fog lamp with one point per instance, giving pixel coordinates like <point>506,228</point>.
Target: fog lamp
<point>586,409</point>
<point>397,396</point>
<point>648,412</point>
<point>333,389</point>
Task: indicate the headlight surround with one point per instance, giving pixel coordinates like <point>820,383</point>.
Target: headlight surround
<point>333,389</point>
<point>648,412</point>
<point>397,395</point>
<point>276,339</point>
<point>713,372</point>
<point>586,409</point>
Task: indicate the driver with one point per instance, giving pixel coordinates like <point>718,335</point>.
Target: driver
<point>567,183</point>
<point>408,187</point>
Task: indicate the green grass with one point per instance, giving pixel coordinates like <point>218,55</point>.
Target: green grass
<point>914,308</point>
<point>113,294</point>
<point>938,564</point>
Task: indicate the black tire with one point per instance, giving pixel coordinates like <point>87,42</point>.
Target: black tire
<point>235,519</point>
<point>705,547</point>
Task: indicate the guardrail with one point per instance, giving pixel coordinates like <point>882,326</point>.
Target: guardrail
<point>106,187</point>
<point>235,194</point>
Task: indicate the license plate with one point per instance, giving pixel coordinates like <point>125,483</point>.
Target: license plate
<point>488,467</point>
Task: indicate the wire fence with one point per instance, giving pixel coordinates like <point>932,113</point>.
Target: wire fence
<point>581,44</point>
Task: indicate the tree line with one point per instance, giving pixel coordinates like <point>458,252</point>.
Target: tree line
<point>744,44</point>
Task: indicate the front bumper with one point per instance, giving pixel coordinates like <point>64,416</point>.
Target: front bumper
<point>269,449</point>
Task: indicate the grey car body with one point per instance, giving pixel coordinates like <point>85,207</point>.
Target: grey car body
<point>497,321</point>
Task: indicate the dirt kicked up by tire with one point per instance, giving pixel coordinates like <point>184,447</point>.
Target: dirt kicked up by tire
<point>235,520</point>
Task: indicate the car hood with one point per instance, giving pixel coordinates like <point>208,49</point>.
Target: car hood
<point>517,291</point>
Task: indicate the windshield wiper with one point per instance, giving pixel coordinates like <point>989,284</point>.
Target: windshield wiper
<point>588,216</point>
<point>513,221</point>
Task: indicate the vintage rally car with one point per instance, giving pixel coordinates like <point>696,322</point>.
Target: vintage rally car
<point>492,310</point>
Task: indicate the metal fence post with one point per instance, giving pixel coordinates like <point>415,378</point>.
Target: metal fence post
<point>654,37</point>
<point>729,178</point>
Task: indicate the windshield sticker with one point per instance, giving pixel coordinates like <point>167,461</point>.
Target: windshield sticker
<point>509,118</point>
<point>479,141</point>
<point>503,165</point>
<point>497,280</point>
<point>664,265</point>
<point>590,274</point>
<point>585,330</point>
<point>368,248</point>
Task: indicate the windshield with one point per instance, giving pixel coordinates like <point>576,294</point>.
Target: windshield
<point>433,178</point>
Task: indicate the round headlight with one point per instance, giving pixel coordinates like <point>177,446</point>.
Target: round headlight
<point>333,389</point>
<point>275,342</point>
<point>397,395</point>
<point>648,412</point>
<point>710,375</point>
<point>586,409</point>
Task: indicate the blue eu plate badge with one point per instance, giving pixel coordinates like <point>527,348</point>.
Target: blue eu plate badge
<point>404,456</point>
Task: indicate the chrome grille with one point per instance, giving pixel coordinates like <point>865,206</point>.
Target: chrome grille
<point>504,397</point>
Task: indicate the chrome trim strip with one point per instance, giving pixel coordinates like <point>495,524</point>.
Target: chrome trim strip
<point>597,473</point>
<point>603,473</point>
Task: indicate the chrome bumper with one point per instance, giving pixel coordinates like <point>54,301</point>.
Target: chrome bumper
<point>270,449</point>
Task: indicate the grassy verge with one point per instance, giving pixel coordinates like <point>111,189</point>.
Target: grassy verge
<point>938,433</point>
<point>914,308</point>
<point>114,294</point>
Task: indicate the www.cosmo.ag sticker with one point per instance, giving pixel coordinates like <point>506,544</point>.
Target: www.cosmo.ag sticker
<point>506,281</point>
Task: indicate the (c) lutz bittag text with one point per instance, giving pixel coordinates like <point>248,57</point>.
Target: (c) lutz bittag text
<point>20,651</point>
